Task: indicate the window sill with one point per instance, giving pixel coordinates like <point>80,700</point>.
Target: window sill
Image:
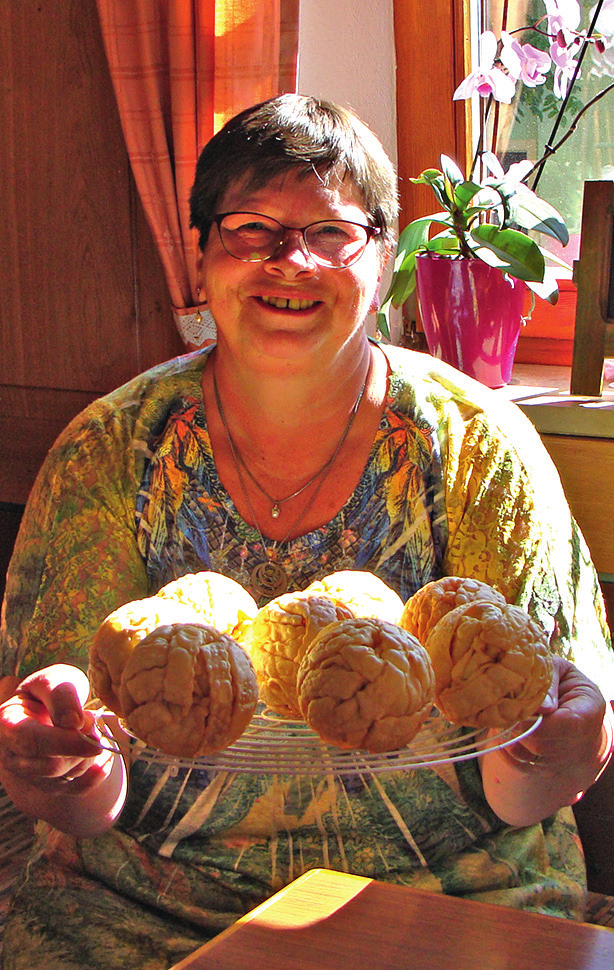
<point>542,392</point>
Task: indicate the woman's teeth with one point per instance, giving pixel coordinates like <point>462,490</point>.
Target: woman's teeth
<point>283,304</point>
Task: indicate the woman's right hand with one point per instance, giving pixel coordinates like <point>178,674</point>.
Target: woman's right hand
<point>49,752</point>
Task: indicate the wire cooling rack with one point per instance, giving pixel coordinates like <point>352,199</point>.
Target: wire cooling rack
<point>277,745</point>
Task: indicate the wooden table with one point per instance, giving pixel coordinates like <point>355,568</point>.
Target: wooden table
<point>332,921</point>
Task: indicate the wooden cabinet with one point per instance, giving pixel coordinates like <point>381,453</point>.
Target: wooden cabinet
<point>84,300</point>
<point>586,467</point>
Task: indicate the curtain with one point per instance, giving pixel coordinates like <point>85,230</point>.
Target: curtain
<point>180,69</point>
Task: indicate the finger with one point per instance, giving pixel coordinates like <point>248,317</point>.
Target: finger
<point>62,690</point>
<point>551,700</point>
<point>33,739</point>
<point>75,778</point>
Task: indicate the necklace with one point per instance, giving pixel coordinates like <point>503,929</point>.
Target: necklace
<point>277,503</point>
<point>268,578</point>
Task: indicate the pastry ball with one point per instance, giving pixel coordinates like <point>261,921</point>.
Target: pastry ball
<point>277,639</point>
<point>365,594</point>
<point>366,683</point>
<point>430,603</point>
<point>188,690</point>
<point>492,664</point>
<point>118,635</point>
<point>218,600</point>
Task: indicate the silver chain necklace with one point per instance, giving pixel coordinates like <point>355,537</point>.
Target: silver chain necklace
<point>277,503</point>
<point>268,578</point>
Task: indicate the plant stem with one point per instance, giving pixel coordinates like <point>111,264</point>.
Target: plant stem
<point>495,127</point>
<point>479,148</point>
<point>549,150</point>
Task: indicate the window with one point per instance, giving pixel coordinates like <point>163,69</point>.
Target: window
<point>439,50</point>
<point>527,124</point>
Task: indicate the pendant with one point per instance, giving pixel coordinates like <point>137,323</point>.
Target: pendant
<point>269,579</point>
<point>275,511</point>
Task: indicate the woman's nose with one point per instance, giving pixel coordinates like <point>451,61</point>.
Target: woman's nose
<point>292,253</point>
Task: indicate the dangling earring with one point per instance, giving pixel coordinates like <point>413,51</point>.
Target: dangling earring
<point>199,316</point>
<point>374,309</point>
<point>197,328</point>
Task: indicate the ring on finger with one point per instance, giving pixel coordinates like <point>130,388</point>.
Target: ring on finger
<point>530,757</point>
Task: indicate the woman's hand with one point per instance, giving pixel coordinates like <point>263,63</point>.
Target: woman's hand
<point>50,752</point>
<point>554,765</point>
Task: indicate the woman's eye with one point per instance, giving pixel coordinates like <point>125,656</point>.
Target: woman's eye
<point>253,227</point>
<point>331,232</point>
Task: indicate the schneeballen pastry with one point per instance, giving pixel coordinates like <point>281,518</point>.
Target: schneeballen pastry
<point>492,664</point>
<point>188,690</point>
<point>118,635</point>
<point>363,592</point>
<point>277,639</point>
<point>431,602</point>
<point>365,684</point>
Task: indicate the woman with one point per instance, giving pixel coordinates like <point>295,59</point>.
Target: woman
<point>294,448</point>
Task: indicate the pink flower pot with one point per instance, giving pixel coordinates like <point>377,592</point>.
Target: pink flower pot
<point>471,314</point>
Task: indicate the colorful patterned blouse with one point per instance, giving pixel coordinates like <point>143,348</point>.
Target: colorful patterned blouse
<point>457,483</point>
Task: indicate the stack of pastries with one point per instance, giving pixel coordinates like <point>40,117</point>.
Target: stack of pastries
<point>185,669</point>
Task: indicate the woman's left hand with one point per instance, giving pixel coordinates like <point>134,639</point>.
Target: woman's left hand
<point>554,765</point>
<point>571,730</point>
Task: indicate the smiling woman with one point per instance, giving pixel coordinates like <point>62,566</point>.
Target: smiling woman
<point>294,449</point>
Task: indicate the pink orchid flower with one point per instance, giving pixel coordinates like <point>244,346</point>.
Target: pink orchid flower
<point>605,22</point>
<point>487,79</point>
<point>524,62</point>
<point>563,18</point>
<point>515,175</point>
<point>565,66</point>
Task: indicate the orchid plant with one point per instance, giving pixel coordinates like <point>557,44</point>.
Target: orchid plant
<point>489,214</point>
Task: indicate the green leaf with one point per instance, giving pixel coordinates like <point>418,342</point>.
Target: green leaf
<point>383,319</point>
<point>413,237</point>
<point>548,290</point>
<point>464,193</point>
<point>435,180</point>
<point>444,244</point>
<point>403,282</point>
<point>553,258</point>
<point>535,214</point>
<point>509,250</point>
<point>451,170</point>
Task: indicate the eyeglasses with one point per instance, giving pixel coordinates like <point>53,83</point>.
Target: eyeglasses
<point>252,238</point>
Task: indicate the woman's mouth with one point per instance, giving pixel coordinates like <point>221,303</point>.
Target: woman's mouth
<point>292,303</point>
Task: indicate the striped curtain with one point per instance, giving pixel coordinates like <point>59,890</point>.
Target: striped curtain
<point>180,69</point>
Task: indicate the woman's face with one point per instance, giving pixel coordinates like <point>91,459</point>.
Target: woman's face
<point>288,310</point>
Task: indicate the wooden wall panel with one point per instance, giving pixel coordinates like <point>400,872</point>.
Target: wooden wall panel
<point>432,51</point>
<point>84,301</point>
<point>586,467</point>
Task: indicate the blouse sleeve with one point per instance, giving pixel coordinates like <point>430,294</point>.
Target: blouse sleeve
<point>76,557</point>
<point>510,526</point>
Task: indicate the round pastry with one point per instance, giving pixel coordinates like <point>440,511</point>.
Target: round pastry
<point>188,690</point>
<point>492,664</point>
<point>117,637</point>
<point>365,684</point>
<point>277,638</point>
<point>218,600</point>
<point>365,594</point>
<point>431,602</point>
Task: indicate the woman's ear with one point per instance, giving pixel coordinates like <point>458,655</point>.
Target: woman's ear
<point>383,261</point>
